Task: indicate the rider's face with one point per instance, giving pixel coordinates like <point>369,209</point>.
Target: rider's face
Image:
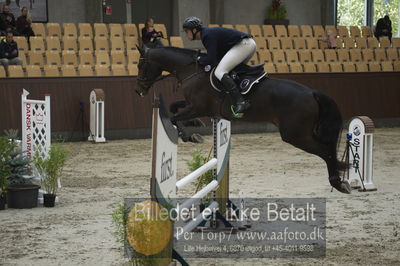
<point>189,35</point>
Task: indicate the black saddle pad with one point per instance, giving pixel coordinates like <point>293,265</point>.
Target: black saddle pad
<point>244,76</point>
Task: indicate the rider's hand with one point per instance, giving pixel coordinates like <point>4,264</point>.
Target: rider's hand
<point>207,67</point>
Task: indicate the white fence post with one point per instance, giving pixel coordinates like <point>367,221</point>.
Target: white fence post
<point>361,154</point>
<point>36,126</point>
<point>97,116</point>
<point>36,129</point>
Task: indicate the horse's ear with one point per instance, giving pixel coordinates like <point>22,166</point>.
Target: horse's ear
<point>139,49</point>
<point>143,49</point>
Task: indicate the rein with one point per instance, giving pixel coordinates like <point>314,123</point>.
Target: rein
<point>193,74</point>
<point>180,81</point>
<point>174,73</point>
<point>189,77</point>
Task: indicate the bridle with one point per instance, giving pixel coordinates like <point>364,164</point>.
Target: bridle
<point>143,78</point>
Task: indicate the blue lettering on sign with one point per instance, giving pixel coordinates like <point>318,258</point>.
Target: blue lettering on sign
<point>356,160</point>
<point>166,168</point>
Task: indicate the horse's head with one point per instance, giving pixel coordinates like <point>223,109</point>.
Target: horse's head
<point>149,72</point>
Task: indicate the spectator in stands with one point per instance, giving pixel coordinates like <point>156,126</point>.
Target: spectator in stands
<point>149,35</point>
<point>3,26</point>
<point>24,24</point>
<point>9,51</point>
<point>330,40</point>
<point>9,20</point>
<point>383,28</point>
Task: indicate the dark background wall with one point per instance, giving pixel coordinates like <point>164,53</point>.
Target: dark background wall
<point>160,10</point>
<point>119,11</point>
<point>172,12</point>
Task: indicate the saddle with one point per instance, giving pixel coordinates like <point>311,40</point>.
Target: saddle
<point>244,76</point>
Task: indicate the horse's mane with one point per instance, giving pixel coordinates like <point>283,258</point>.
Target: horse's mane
<point>186,51</point>
<point>184,55</point>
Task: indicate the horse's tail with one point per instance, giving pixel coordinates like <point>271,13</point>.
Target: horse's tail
<point>328,128</point>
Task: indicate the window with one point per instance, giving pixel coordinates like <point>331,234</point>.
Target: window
<point>351,12</point>
<point>388,7</point>
<point>367,13</point>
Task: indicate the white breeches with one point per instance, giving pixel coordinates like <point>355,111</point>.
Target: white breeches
<point>240,53</point>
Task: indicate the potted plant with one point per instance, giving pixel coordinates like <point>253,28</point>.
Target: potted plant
<point>50,169</point>
<point>276,14</point>
<point>22,193</point>
<point>6,148</point>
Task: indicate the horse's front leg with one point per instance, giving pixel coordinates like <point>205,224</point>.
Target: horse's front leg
<point>185,114</point>
<point>175,106</point>
<point>174,109</point>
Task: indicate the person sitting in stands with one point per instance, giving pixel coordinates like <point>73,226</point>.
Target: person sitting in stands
<point>24,24</point>
<point>8,19</point>
<point>330,40</point>
<point>149,35</point>
<point>9,51</point>
<point>383,28</point>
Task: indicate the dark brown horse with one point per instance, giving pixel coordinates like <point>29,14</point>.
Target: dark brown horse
<point>306,118</point>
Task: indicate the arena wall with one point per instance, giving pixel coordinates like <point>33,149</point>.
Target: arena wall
<point>129,116</point>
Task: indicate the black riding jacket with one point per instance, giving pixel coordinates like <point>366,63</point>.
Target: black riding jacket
<point>218,41</point>
<point>8,47</point>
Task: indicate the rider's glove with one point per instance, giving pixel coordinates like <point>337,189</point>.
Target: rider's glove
<point>207,68</point>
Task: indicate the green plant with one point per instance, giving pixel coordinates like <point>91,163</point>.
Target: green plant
<point>11,133</point>
<point>50,168</point>
<point>119,217</point>
<point>20,166</point>
<point>6,148</point>
<point>277,10</point>
<point>198,160</point>
<point>18,161</point>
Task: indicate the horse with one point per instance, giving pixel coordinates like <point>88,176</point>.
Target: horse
<point>306,118</point>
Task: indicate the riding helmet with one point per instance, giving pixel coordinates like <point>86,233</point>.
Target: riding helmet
<point>192,23</point>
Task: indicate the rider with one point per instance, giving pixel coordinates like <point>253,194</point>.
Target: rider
<point>226,48</point>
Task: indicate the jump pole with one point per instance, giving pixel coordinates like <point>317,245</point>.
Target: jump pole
<point>164,185</point>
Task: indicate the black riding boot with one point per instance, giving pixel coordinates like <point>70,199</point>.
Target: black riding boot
<point>230,86</point>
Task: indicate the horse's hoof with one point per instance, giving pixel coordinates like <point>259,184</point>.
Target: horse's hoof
<point>345,187</point>
<point>183,137</point>
<point>196,138</point>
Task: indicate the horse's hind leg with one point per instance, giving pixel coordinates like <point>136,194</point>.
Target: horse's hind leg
<point>328,154</point>
<point>326,151</point>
